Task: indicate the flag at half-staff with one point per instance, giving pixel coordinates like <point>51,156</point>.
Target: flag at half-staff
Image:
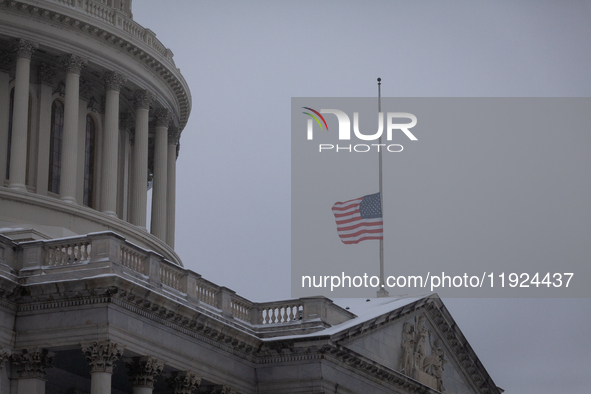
<point>359,219</point>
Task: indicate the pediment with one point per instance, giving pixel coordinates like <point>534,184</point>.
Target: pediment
<point>422,342</point>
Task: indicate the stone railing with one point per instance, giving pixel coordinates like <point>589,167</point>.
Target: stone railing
<point>115,18</point>
<point>76,251</point>
<point>280,312</point>
<point>107,253</point>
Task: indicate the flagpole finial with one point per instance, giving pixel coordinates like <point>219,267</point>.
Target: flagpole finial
<point>379,81</point>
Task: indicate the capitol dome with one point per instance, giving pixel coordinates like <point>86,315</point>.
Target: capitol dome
<point>95,109</point>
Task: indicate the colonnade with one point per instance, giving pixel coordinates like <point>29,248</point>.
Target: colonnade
<point>31,368</point>
<point>165,149</point>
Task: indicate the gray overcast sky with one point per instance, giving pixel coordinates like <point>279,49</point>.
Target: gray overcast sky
<point>245,60</point>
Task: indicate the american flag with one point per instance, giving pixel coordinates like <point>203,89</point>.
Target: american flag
<point>359,219</point>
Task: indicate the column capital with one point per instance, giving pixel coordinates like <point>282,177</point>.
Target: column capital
<point>143,370</point>
<point>6,59</point>
<point>4,355</point>
<point>113,80</point>
<point>74,63</point>
<point>46,73</point>
<point>102,356</point>
<point>32,363</point>
<point>183,382</point>
<point>162,117</point>
<point>143,99</point>
<point>23,48</point>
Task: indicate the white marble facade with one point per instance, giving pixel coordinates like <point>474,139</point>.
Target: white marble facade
<point>92,108</point>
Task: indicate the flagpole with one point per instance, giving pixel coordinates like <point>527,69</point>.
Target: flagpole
<point>382,292</point>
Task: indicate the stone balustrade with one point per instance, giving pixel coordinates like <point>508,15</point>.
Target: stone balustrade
<point>107,253</point>
<point>117,19</point>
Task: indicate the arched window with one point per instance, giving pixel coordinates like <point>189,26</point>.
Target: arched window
<point>55,146</point>
<point>89,161</point>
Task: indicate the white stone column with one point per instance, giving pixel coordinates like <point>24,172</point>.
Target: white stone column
<point>173,138</point>
<point>125,125</point>
<point>101,357</point>
<point>20,116</point>
<point>113,82</point>
<point>68,184</point>
<point>30,367</point>
<point>5,62</point>
<point>158,223</point>
<point>141,372</point>
<point>183,382</point>
<point>139,188</point>
<point>45,76</point>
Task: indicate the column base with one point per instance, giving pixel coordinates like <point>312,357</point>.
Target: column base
<point>70,200</point>
<point>110,213</point>
<point>17,186</point>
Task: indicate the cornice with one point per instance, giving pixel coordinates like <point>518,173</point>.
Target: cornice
<point>107,34</point>
<point>195,323</point>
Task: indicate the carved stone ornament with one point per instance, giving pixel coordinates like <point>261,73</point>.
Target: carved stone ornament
<point>32,363</point>
<point>4,355</point>
<point>143,99</point>
<point>113,80</point>
<point>102,356</point>
<point>162,117</point>
<point>6,59</point>
<point>125,121</point>
<point>93,104</point>
<point>74,63</point>
<point>46,73</point>
<point>416,362</point>
<point>24,48</point>
<point>183,382</point>
<point>142,371</point>
<point>173,135</point>
<point>61,89</point>
<point>85,90</point>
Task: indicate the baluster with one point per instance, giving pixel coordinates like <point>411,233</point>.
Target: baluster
<point>57,256</point>
<point>77,251</point>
